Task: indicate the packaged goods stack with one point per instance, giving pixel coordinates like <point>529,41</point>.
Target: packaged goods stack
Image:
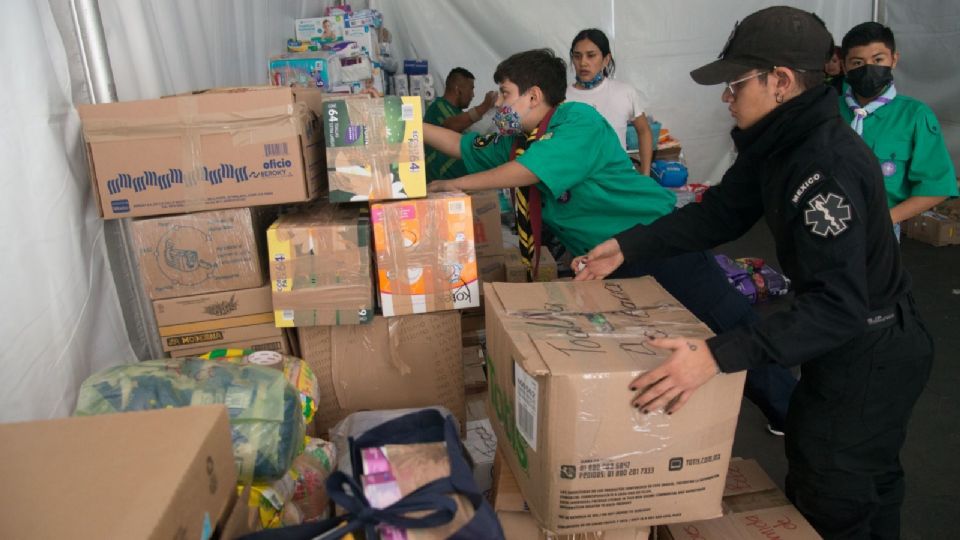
<point>575,458</point>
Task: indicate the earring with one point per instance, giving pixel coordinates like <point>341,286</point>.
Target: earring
<point>779,98</point>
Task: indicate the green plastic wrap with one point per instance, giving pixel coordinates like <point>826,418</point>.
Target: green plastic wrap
<point>265,411</point>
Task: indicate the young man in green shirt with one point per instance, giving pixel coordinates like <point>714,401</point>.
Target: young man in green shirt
<point>448,111</point>
<point>569,157</point>
<point>902,132</point>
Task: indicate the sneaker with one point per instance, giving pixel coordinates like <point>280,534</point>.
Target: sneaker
<point>774,431</point>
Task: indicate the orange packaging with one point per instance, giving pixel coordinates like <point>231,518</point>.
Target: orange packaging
<point>425,254</point>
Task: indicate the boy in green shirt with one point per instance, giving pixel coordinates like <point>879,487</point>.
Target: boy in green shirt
<point>568,156</point>
<point>902,132</point>
<point>448,111</point>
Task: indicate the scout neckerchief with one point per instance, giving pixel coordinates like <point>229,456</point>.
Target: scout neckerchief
<point>592,83</point>
<point>529,217</point>
<point>860,113</point>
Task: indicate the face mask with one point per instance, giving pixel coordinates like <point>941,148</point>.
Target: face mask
<point>592,82</point>
<point>507,120</point>
<point>870,80</point>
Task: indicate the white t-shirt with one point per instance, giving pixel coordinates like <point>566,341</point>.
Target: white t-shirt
<point>618,102</point>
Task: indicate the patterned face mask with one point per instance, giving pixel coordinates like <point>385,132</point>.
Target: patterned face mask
<point>592,82</point>
<point>507,120</point>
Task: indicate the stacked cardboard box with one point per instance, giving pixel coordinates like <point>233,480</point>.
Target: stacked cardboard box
<point>754,509</point>
<point>939,226</point>
<point>192,325</point>
<point>391,363</point>
<point>157,474</point>
<point>320,267</point>
<point>229,148</point>
<point>561,358</point>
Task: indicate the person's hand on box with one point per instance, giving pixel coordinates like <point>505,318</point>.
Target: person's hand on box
<point>670,385</point>
<point>599,263</point>
<point>438,186</point>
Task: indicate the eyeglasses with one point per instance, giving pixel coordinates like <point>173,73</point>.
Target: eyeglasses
<point>733,85</point>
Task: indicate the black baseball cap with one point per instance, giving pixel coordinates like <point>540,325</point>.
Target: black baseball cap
<point>776,36</point>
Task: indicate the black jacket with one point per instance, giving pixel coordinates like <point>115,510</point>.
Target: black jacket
<point>821,191</point>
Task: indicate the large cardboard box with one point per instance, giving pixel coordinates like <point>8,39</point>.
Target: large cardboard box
<point>395,363</point>
<point>754,509</point>
<point>561,359</point>
<point>191,254</point>
<point>279,343</point>
<point>487,231</point>
<point>320,267</point>
<point>933,228</point>
<point>374,148</point>
<point>203,314</point>
<point>157,474</point>
<point>226,148</point>
<point>212,306</point>
<point>425,256</point>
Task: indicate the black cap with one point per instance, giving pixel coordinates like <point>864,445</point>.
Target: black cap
<point>776,36</point>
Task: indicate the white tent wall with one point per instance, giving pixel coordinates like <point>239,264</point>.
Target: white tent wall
<point>61,320</point>
<point>655,45</point>
<point>928,39</point>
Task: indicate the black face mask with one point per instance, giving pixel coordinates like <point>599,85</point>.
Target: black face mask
<point>869,80</point>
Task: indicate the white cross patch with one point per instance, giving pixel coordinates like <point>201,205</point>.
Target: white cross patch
<point>827,215</point>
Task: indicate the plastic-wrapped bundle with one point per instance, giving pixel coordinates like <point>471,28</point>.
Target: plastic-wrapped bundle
<point>265,412</point>
<point>297,372</point>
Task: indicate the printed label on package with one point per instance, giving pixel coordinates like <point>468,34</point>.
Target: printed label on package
<point>527,396</point>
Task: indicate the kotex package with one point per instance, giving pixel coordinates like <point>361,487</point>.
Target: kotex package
<point>266,417</point>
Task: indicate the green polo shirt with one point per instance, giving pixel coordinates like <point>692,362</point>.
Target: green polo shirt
<point>439,165</point>
<point>906,138</point>
<point>590,190</point>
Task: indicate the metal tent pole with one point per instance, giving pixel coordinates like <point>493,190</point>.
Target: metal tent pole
<point>138,314</point>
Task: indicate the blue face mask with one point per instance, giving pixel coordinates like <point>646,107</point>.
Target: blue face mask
<point>507,121</point>
<point>592,82</point>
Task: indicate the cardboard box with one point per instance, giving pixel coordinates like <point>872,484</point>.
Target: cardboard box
<point>126,476</point>
<point>473,327</point>
<point>584,457</point>
<point>487,231</point>
<point>191,341</point>
<point>481,443</point>
<point>212,306</point>
<point>320,29</point>
<point>933,228</point>
<point>320,267</point>
<point>199,253</point>
<point>374,148</point>
<point>227,148</point>
<point>474,373</point>
<point>306,70</point>
<point>516,271</point>
<point>280,344</point>
<point>395,363</point>
<point>506,491</point>
<point>523,526</point>
<point>491,269</point>
<point>782,522</point>
<point>425,256</point>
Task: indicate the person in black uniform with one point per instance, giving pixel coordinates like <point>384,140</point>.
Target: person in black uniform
<point>854,329</point>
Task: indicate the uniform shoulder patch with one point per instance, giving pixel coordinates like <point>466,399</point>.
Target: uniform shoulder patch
<point>805,186</point>
<point>827,214</point>
<point>485,140</point>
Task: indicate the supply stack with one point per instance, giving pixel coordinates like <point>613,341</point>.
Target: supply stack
<point>348,329</point>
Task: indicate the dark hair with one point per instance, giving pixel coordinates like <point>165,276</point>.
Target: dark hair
<point>455,73</point>
<point>538,67</point>
<point>598,38</point>
<point>865,34</point>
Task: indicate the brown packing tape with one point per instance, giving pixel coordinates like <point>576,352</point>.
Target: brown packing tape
<point>425,254</point>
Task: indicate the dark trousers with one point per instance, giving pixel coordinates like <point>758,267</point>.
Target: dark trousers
<point>697,281</point>
<point>847,422</point>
